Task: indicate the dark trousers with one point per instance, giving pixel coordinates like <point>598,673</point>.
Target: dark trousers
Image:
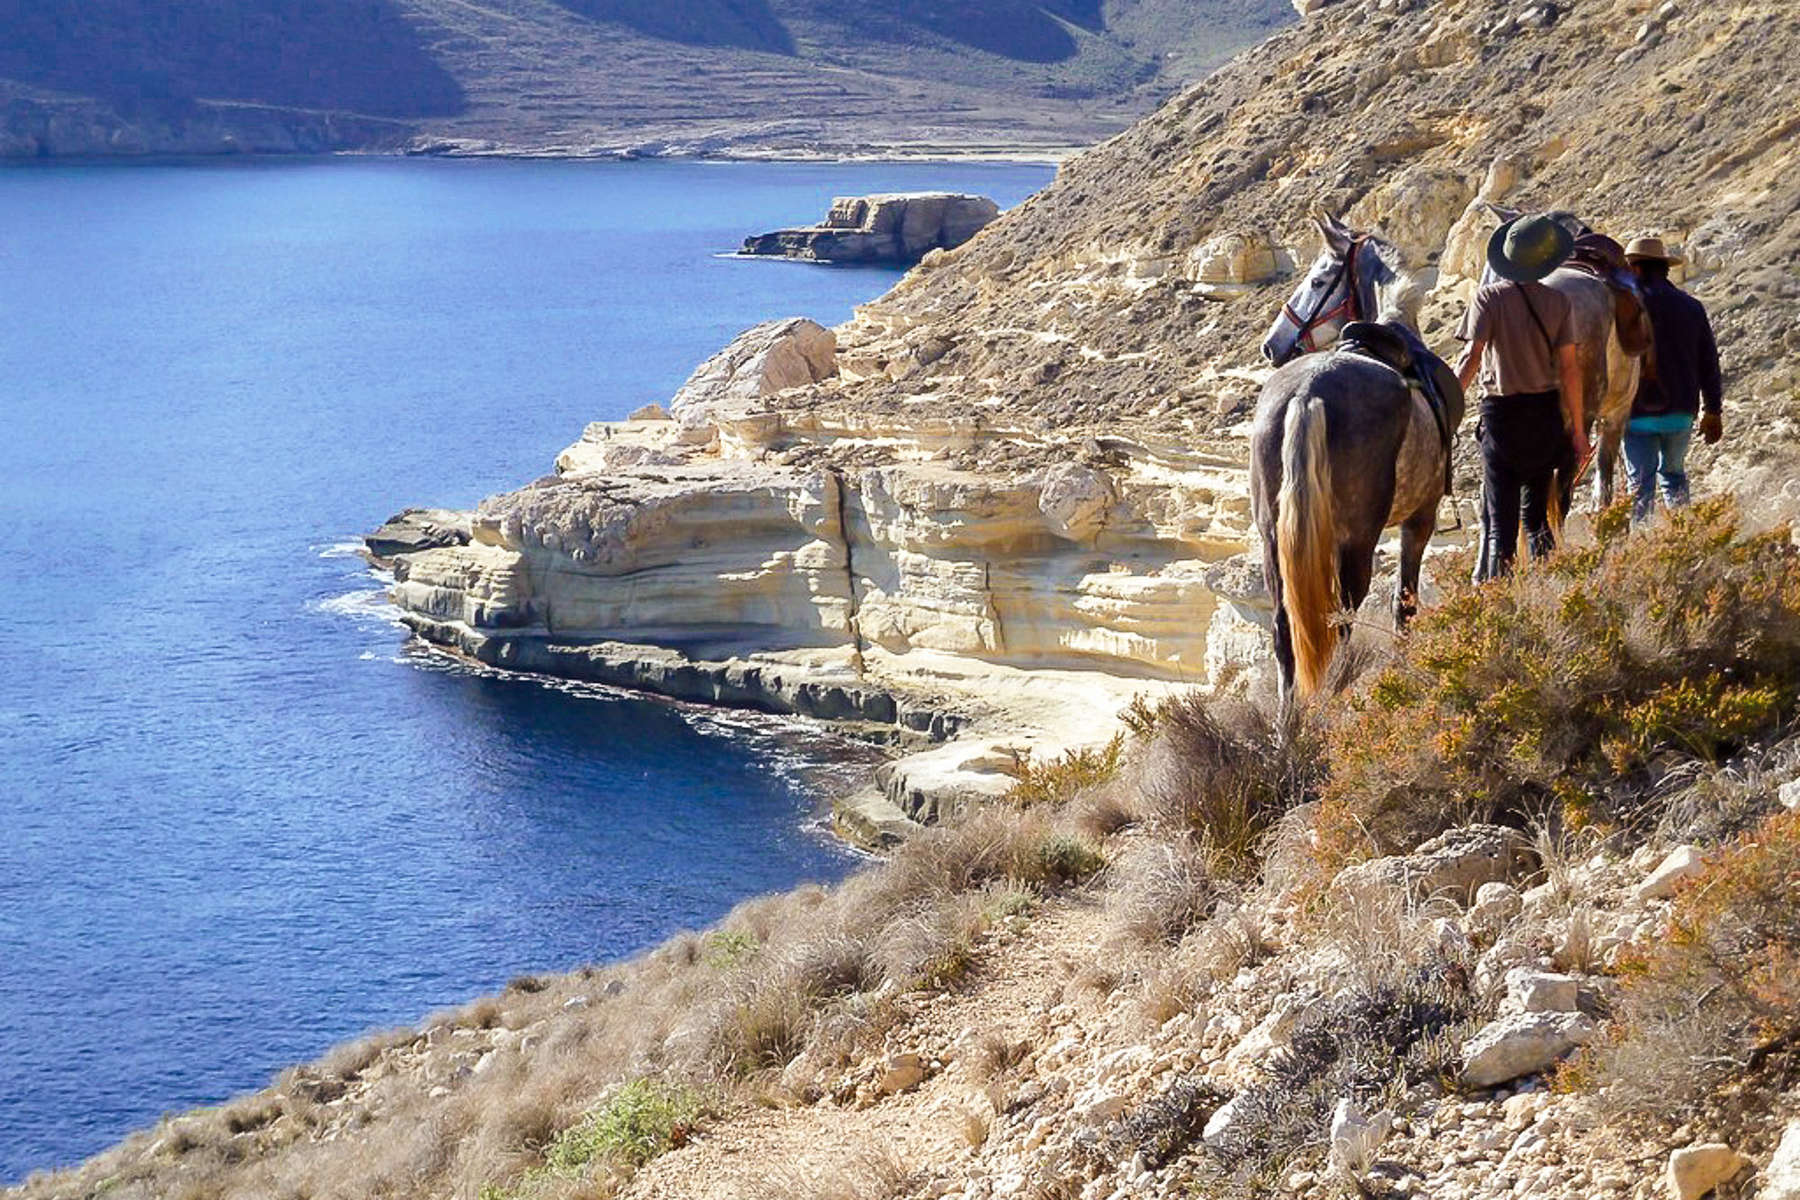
<point>1523,441</point>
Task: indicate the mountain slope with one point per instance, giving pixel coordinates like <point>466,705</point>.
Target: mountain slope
<point>1128,272</point>
<point>596,76</point>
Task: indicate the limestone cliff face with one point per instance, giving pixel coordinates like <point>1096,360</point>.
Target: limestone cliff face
<point>869,568</point>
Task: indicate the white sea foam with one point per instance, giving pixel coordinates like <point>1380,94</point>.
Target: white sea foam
<point>365,606</point>
<point>352,549</point>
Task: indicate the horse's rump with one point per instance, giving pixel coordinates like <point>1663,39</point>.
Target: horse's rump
<point>1604,259</point>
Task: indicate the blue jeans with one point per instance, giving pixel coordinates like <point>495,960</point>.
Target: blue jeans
<point>1652,455</point>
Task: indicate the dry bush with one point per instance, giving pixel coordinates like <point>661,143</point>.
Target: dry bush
<point>1575,681</point>
<point>1367,1043</point>
<point>875,1173</point>
<point>1157,891</point>
<point>974,1127</point>
<point>1225,771</point>
<point>1376,929</point>
<point>1716,997</point>
<point>1169,991</point>
<point>1101,812</point>
<point>348,1060</point>
<point>933,946</point>
<point>995,1055</point>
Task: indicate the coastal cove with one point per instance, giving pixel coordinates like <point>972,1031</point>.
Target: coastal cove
<point>243,821</point>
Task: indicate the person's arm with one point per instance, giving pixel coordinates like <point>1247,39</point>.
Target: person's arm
<point>1470,366</point>
<point>1568,361</point>
<point>1712,423</point>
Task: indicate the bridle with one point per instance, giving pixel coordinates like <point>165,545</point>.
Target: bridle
<point>1347,308</point>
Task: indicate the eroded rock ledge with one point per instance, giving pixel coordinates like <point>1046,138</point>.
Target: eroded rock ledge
<point>842,566</point>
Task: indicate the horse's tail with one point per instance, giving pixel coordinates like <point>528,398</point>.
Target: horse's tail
<point>1305,537</point>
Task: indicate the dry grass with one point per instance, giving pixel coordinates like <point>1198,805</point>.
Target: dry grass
<point>1158,890</point>
<point>1715,998</point>
<point>874,1173</point>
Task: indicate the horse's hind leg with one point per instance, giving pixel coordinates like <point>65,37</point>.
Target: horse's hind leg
<point>1606,461</point>
<point>1415,533</point>
<point>1356,570</point>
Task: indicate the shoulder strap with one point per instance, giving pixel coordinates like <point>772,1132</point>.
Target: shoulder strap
<point>1549,342</point>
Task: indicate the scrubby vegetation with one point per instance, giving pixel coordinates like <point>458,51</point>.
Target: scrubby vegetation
<point>1574,683</point>
<point>1593,702</point>
<point>1716,1000</point>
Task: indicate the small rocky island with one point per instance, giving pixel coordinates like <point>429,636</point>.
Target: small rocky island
<point>899,228</point>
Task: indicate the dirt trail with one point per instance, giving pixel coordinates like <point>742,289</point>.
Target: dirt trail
<point>750,1153</point>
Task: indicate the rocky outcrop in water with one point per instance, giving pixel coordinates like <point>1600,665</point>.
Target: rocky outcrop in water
<point>895,229</point>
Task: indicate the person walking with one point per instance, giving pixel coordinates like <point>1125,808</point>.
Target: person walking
<point>1682,376</point>
<point>1520,337</point>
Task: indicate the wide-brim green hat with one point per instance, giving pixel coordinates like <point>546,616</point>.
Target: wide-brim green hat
<point>1528,247</point>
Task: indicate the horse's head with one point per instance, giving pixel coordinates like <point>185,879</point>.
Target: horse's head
<point>1357,277</point>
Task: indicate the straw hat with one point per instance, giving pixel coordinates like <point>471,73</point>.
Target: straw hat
<point>1651,248</point>
<point>1528,247</point>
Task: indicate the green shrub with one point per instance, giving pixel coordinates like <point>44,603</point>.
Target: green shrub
<point>1055,783</point>
<point>639,1121</point>
<point>725,948</point>
<point>636,1123</point>
<point>1569,682</point>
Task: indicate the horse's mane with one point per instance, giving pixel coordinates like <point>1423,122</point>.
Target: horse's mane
<point>1410,292</point>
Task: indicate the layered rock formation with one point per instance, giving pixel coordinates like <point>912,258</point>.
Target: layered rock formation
<point>1020,475</point>
<point>898,229</point>
<point>880,582</point>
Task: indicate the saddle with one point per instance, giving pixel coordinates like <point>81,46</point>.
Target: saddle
<point>1395,345</point>
<point>1599,256</point>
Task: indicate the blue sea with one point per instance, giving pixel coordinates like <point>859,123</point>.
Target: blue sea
<point>240,819</point>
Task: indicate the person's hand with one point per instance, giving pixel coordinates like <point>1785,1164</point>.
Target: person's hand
<point>1583,447</point>
<point>1712,428</point>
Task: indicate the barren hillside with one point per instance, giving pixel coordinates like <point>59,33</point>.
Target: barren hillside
<point>598,76</point>
<point>1106,302</point>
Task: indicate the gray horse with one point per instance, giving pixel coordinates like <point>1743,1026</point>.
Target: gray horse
<point>1345,445</point>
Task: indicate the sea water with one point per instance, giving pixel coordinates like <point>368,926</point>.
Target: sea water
<point>240,819</point>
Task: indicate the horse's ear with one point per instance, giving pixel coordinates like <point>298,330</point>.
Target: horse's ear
<point>1332,230</point>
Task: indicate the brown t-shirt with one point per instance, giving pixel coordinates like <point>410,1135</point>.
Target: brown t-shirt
<point>1520,354</point>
